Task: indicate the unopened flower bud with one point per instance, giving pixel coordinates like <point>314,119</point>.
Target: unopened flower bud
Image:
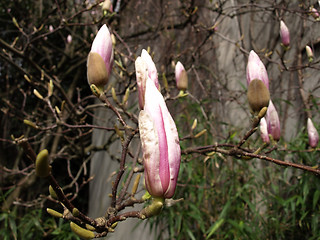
<point>264,130</point>
<point>258,95</point>
<point>69,39</point>
<point>153,209</point>
<point>181,76</point>
<point>152,70</point>
<point>309,53</point>
<point>54,213</point>
<point>75,212</point>
<point>53,194</point>
<point>42,164</point>
<point>81,232</point>
<point>194,124</point>
<point>273,122</point>
<point>97,73</point>
<point>284,34</point>
<point>31,124</point>
<point>38,95</point>
<point>141,75</point>
<point>107,6</point>
<point>160,144</point>
<point>256,69</point>
<point>100,59</point>
<point>313,134</point>
<point>50,88</point>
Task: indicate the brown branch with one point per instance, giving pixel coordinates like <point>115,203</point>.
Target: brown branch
<point>240,153</point>
<point>125,146</point>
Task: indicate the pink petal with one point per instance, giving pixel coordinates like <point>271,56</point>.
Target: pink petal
<point>102,44</point>
<point>264,130</point>
<point>152,70</point>
<point>151,153</point>
<point>273,121</point>
<point>312,134</point>
<point>256,69</point>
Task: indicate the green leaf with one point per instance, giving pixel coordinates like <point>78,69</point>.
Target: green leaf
<point>315,199</point>
<point>13,227</point>
<point>191,234</point>
<point>215,227</point>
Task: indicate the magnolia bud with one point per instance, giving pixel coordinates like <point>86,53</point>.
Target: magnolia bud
<point>258,95</point>
<point>264,130</point>
<point>42,164</point>
<point>69,39</point>
<point>107,6</point>
<point>97,73</point>
<point>100,59</point>
<point>256,69</point>
<point>312,134</point>
<point>273,122</point>
<point>309,53</point>
<point>284,34</point>
<point>181,76</point>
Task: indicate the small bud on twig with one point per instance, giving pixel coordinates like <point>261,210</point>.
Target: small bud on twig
<point>194,124</point>
<point>52,192</point>
<point>50,88</point>
<point>54,213</point>
<point>135,184</point>
<point>30,124</point>
<point>38,95</point>
<point>42,164</point>
<point>200,133</point>
<point>114,95</point>
<point>81,232</point>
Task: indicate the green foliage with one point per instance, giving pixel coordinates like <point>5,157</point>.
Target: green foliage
<point>33,225</point>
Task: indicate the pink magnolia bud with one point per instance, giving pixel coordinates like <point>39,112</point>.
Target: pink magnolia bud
<point>69,39</point>
<point>284,34</point>
<point>309,53</point>
<point>51,28</point>
<point>160,144</point>
<point>142,76</point>
<point>273,122</point>
<point>102,44</point>
<point>100,58</point>
<point>264,130</point>
<point>152,70</point>
<point>107,6</point>
<point>256,69</point>
<point>312,134</point>
<point>181,76</point>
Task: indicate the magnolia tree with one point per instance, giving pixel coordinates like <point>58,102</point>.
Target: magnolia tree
<point>213,157</point>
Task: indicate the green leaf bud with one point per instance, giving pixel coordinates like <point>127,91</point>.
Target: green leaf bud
<point>52,193</point>
<point>42,164</point>
<point>81,232</point>
<point>75,212</point>
<point>54,213</point>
